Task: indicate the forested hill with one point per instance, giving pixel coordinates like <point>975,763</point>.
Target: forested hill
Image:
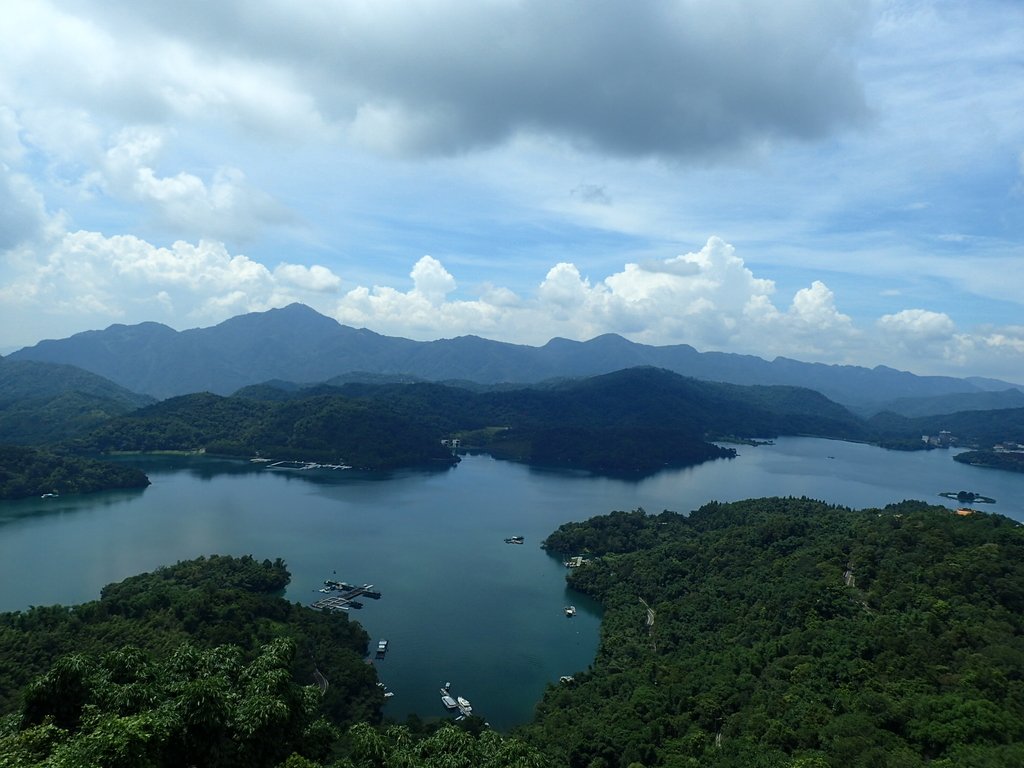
<point>632,421</point>
<point>785,632</point>
<point>980,428</point>
<point>46,402</point>
<point>28,472</point>
<point>207,617</point>
<point>204,664</point>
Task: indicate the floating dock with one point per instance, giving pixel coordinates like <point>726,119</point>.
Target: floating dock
<point>342,596</point>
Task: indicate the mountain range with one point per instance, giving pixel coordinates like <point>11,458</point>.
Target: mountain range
<point>297,344</point>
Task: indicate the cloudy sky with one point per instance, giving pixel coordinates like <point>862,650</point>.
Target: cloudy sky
<point>835,181</point>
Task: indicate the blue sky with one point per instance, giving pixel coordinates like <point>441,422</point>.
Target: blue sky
<point>839,182</point>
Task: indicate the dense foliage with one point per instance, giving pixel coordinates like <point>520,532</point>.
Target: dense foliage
<point>630,422</point>
<point>1012,462</point>
<point>207,602</point>
<point>785,632</point>
<point>47,402</point>
<point>324,428</point>
<point>193,707</point>
<point>26,472</point>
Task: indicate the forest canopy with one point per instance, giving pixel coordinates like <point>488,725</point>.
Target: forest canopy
<point>786,632</point>
<point>26,472</point>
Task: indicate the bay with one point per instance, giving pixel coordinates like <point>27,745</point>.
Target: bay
<point>458,604</point>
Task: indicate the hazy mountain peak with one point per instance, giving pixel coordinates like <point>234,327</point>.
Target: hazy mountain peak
<point>297,343</point>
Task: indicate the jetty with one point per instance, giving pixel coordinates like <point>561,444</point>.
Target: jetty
<point>296,464</point>
<point>342,596</point>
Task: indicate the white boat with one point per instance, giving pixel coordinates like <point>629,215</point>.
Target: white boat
<point>449,702</point>
<point>570,611</point>
<point>463,704</point>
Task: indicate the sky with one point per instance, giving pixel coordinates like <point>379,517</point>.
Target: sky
<point>835,181</point>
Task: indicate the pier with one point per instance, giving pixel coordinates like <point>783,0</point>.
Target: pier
<point>296,464</point>
<point>343,596</point>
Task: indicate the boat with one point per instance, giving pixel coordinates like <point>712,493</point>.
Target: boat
<point>382,648</point>
<point>388,694</point>
<point>464,706</point>
<point>570,611</point>
<point>448,701</point>
<point>514,540</point>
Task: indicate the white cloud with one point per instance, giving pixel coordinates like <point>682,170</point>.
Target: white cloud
<point>224,207</point>
<point>431,280</point>
<point>197,126</point>
<point>315,278</point>
<point>918,325</point>
<point>85,279</point>
<point>708,298</point>
<point>912,336</point>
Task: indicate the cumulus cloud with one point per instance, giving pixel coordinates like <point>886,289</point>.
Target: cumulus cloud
<point>918,325</point>
<point>224,207</point>
<point>678,79</point>
<point>708,298</point>
<point>431,280</point>
<point>920,334</point>
<point>85,279</point>
<point>316,278</point>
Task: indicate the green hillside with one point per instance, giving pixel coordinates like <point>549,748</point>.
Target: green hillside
<point>204,664</point>
<point>26,472</point>
<point>46,402</point>
<point>769,633</point>
<point>634,421</point>
<point>785,632</point>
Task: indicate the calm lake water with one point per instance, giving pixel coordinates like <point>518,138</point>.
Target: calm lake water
<point>458,603</point>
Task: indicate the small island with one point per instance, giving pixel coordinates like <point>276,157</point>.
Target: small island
<point>967,497</point>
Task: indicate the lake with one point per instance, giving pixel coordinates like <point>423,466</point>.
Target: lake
<point>458,603</point>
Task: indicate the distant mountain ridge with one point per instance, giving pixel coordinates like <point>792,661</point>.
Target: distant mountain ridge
<point>296,343</point>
